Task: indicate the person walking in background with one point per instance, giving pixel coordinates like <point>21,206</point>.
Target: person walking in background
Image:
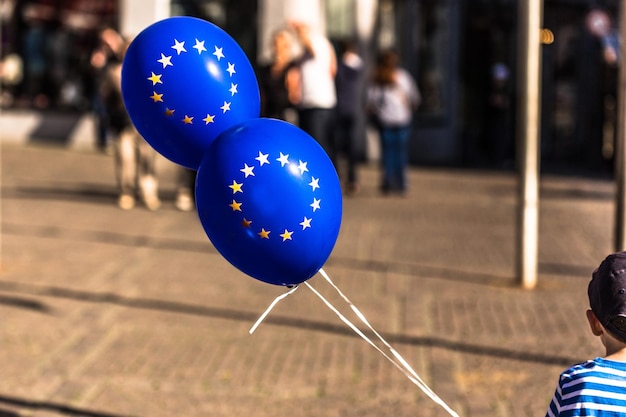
<point>134,158</point>
<point>349,105</point>
<point>500,137</point>
<point>311,86</point>
<point>40,18</point>
<point>100,59</point>
<point>185,187</point>
<point>273,77</point>
<point>597,387</point>
<point>392,97</point>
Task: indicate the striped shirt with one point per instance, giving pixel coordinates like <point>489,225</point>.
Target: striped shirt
<point>594,388</point>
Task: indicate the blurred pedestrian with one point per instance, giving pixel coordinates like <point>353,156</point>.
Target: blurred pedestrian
<point>273,76</point>
<point>101,59</point>
<point>134,157</point>
<point>500,138</point>
<point>311,86</point>
<point>392,97</point>
<point>185,189</point>
<point>349,105</point>
<point>39,17</point>
<point>11,63</point>
<point>597,387</point>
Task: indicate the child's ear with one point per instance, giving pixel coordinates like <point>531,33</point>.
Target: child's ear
<point>594,323</point>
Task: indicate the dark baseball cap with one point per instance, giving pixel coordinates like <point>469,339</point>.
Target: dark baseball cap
<point>607,294</point>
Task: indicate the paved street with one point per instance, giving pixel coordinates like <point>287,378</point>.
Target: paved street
<point>114,313</point>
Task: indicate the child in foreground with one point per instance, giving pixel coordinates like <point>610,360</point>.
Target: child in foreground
<point>598,386</point>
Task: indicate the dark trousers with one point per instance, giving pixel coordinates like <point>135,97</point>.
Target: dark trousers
<point>345,138</point>
<point>394,141</point>
<point>319,123</point>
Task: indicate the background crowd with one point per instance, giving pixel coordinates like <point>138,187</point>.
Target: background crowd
<point>325,89</point>
<point>310,82</point>
<point>45,51</point>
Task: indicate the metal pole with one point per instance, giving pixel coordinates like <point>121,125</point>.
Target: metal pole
<point>620,146</point>
<point>529,50</point>
<point>1,130</point>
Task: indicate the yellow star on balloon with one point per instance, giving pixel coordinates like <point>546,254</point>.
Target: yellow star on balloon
<point>286,235</point>
<point>155,78</point>
<point>236,187</point>
<point>265,234</point>
<point>156,97</point>
<point>235,206</point>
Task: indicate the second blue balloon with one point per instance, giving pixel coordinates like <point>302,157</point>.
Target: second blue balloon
<point>270,200</point>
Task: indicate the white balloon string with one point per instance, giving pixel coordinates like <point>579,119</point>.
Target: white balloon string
<point>344,319</point>
<point>403,365</point>
<point>399,357</point>
<point>367,323</point>
<point>417,381</point>
<point>271,306</point>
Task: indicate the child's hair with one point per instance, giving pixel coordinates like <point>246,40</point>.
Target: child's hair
<point>607,294</point>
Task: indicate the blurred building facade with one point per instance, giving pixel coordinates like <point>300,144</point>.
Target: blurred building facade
<point>461,52</point>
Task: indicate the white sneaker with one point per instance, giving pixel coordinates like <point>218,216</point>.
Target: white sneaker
<point>149,193</point>
<point>152,202</point>
<point>126,202</point>
<point>184,202</point>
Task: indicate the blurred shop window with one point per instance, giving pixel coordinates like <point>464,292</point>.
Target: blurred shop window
<point>71,45</point>
<point>53,39</point>
<point>340,19</point>
<point>213,11</point>
<point>420,30</point>
<point>432,37</point>
<point>237,17</point>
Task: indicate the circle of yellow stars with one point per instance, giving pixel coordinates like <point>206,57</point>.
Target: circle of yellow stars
<point>166,61</point>
<point>249,171</point>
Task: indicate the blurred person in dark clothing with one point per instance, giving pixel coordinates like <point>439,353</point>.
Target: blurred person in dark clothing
<point>273,77</point>
<point>100,60</point>
<point>185,189</point>
<point>349,106</point>
<point>40,16</point>
<point>500,137</point>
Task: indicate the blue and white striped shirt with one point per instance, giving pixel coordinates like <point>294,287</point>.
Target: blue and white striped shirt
<point>594,388</point>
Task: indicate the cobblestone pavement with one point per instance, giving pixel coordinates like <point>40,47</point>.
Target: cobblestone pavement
<point>114,313</point>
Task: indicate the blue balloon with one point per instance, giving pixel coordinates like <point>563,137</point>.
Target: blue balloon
<point>270,201</point>
<point>185,81</point>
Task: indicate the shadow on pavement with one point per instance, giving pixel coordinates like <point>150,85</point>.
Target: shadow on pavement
<point>23,303</point>
<point>75,192</point>
<point>113,238</point>
<point>577,194</point>
<point>7,413</point>
<point>55,128</point>
<point>99,193</point>
<point>300,323</point>
<point>95,193</point>
<point>49,406</point>
<point>406,268</point>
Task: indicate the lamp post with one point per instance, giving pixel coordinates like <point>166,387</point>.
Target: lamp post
<point>530,16</point>
<point>620,146</point>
